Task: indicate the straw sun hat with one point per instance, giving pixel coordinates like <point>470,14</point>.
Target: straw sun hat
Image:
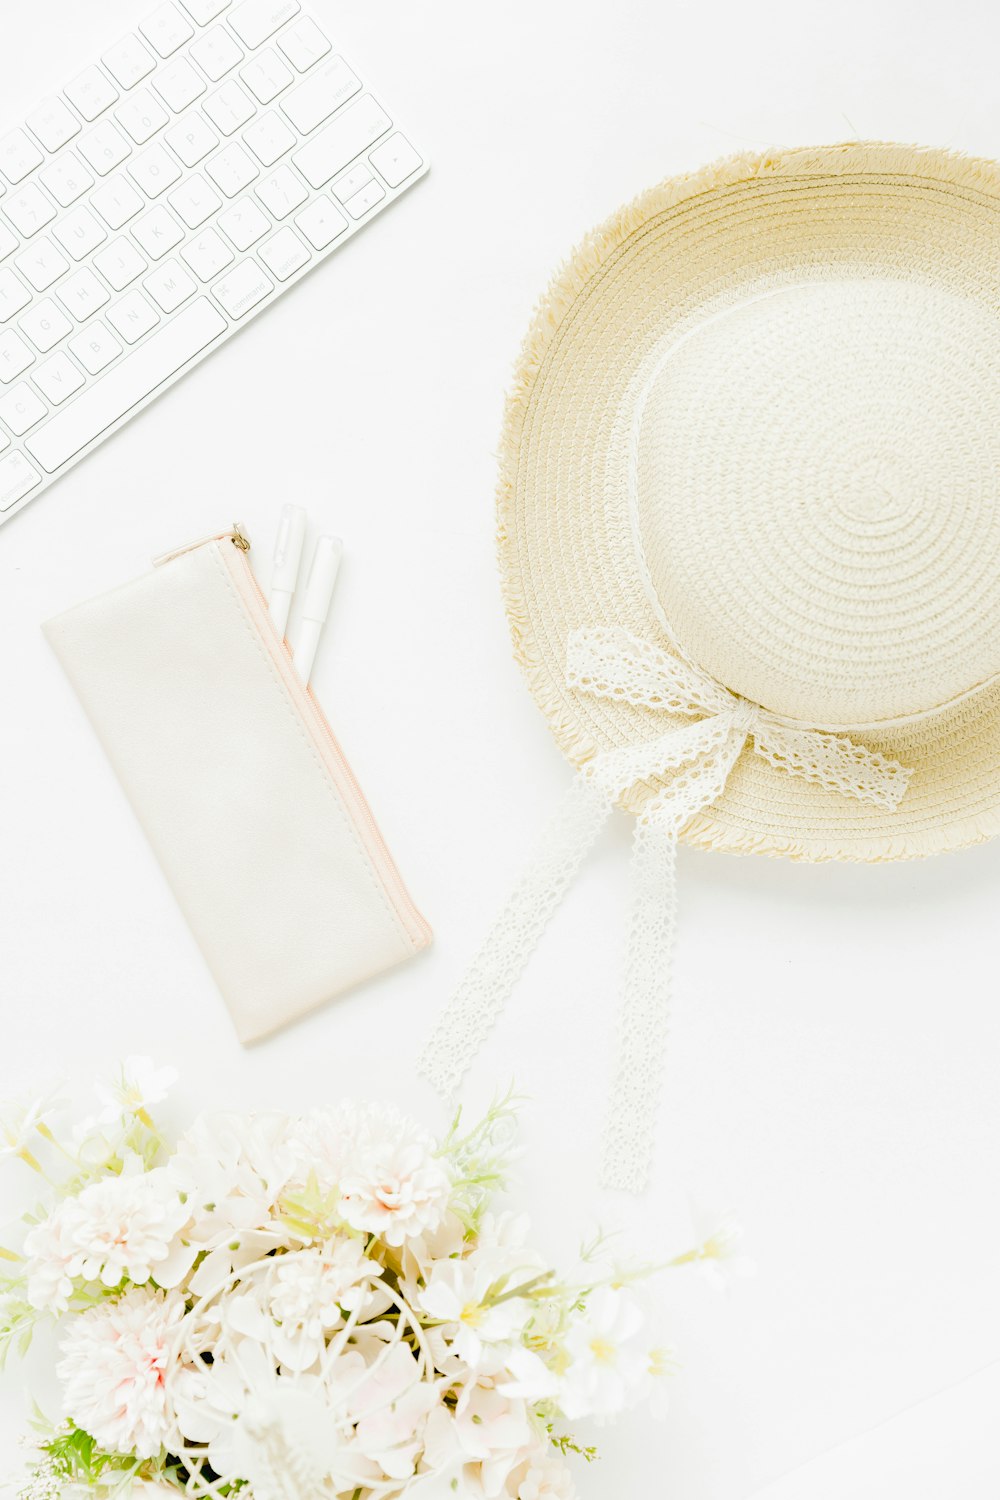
<point>750,546</point>
<point>757,423</point>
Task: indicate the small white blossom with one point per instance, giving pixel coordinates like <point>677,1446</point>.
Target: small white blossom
<point>718,1255</point>
<point>138,1086</point>
<point>606,1364</point>
<point>19,1124</point>
<point>463,1295</point>
<point>114,1367</point>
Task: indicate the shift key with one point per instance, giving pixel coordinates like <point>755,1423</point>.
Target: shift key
<point>352,132</point>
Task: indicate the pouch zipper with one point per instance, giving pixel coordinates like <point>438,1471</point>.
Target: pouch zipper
<point>238,566</point>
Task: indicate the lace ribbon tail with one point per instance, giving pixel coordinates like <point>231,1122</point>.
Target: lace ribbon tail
<point>466,1020</point>
<point>645,1014</point>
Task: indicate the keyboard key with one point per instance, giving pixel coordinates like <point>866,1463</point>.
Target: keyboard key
<point>303,44</point>
<point>284,254</point>
<point>66,178</point>
<point>192,139</point>
<point>352,182</point>
<point>179,85</point>
<point>58,378</point>
<point>28,210</point>
<point>316,99</point>
<point>255,20</point>
<point>53,124</point>
<point>15,356</point>
<point>269,138</point>
<point>207,255</point>
<point>132,317</point>
<point>91,92</point>
<point>129,382</point>
<point>82,294</point>
<point>4,440</point>
<point>321,223</point>
<point>128,62</point>
<point>42,264</point>
<point>95,348</point>
<point>232,170</point>
<point>203,11</point>
<point>365,199</point>
<point>194,201</point>
<point>141,116</point>
<point>338,143</point>
<point>215,53</point>
<point>120,263</point>
<point>229,108</point>
<point>243,288</point>
<point>13,294</point>
<point>18,156</point>
<point>170,285</point>
<point>22,408</point>
<point>79,233</point>
<point>282,192</point>
<point>116,201</point>
<point>154,171</point>
<point>266,76</point>
<point>395,160</point>
<point>166,30</point>
<point>244,223</point>
<point>17,476</point>
<point>157,233</point>
<point>104,148</point>
<point>45,325</point>
<point>8,241</point>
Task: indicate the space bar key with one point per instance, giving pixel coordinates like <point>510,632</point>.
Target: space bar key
<point>130,382</point>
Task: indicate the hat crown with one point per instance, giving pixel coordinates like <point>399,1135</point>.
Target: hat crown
<point>814,480</point>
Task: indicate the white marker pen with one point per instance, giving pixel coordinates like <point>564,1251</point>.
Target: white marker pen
<point>316,603</point>
<point>285,572</point>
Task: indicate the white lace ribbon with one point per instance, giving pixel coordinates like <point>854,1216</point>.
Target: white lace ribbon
<point>693,762</point>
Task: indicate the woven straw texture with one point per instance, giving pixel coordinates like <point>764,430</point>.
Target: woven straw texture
<point>756,422</point>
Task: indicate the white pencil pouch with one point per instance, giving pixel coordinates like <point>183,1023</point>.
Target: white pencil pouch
<point>227,759</point>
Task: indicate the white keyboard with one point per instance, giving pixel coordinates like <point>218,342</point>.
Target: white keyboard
<point>170,192</point>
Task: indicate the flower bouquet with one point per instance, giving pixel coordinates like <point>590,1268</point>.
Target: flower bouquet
<point>319,1306</point>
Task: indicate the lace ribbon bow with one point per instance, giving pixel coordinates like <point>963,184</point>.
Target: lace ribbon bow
<point>692,761</point>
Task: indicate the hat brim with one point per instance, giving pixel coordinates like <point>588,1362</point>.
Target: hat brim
<point>565,550</point>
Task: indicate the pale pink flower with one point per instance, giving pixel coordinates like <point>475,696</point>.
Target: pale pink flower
<point>113,1370</point>
<point>394,1186</point>
<point>125,1227</point>
<point>546,1479</point>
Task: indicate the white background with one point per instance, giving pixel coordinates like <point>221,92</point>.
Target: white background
<point>834,1054</point>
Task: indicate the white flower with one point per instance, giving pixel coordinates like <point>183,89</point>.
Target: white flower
<point>393,1185</point>
<point>118,1227</point>
<point>307,1297</point>
<point>51,1251</point>
<point>138,1086</point>
<point>717,1254</point>
<point>390,1410</point>
<point>468,1297</point>
<point>660,1368</point>
<point>487,1429</point>
<point>20,1122</point>
<point>606,1363</point>
<point>546,1479</point>
<point>231,1169</point>
<point>113,1369</point>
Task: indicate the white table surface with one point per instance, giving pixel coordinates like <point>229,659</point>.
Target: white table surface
<point>832,1073</point>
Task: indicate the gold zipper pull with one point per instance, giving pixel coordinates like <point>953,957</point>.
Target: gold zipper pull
<point>236,536</point>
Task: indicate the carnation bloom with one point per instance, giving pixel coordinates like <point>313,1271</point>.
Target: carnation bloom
<point>393,1186</point>
<point>113,1370</point>
<point>51,1251</point>
<point>124,1227</point>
